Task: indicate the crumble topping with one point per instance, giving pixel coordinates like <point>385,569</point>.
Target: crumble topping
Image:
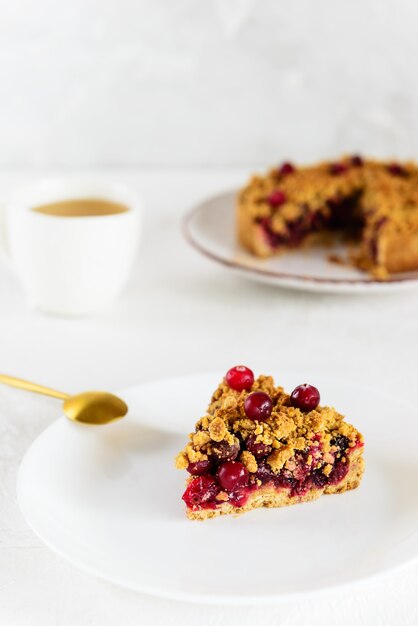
<point>249,461</point>
<point>287,430</point>
<point>217,429</point>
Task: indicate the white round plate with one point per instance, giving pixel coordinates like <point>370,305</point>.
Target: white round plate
<point>108,499</point>
<point>210,229</point>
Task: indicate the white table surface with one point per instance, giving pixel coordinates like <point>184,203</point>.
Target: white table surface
<point>181,314</point>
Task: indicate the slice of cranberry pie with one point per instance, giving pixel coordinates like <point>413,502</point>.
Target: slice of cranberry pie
<point>257,446</point>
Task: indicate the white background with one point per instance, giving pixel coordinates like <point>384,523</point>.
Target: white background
<point>205,82</point>
<point>168,95</point>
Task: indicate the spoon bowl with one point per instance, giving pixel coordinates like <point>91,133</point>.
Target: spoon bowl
<point>94,407</point>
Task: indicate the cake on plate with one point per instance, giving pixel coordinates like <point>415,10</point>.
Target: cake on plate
<point>258,446</point>
<point>373,203</point>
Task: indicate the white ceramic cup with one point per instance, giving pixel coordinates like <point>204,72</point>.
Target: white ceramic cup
<point>72,265</point>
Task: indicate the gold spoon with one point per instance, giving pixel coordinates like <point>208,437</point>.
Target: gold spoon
<point>89,407</point>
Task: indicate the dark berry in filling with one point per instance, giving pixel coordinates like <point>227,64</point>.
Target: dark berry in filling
<point>286,479</point>
<point>239,378</point>
<point>264,472</point>
<point>305,397</point>
<point>223,451</point>
<point>318,479</point>
<point>232,475</point>
<point>200,467</point>
<point>201,491</point>
<point>341,442</point>
<point>257,448</point>
<point>258,406</point>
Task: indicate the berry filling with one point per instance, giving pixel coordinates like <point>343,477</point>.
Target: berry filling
<point>340,213</point>
<point>294,234</point>
<point>295,230</point>
<point>201,492</point>
<point>231,482</point>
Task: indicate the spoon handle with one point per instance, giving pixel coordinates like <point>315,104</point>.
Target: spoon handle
<point>27,386</point>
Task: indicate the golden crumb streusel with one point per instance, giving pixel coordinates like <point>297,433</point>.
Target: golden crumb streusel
<point>287,430</point>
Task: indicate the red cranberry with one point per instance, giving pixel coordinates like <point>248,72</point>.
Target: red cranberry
<point>239,378</point>
<point>305,397</point>
<point>276,198</point>
<point>396,170</point>
<point>232,475</point>
<point>258,406</point>
<point>357,161</point>
<point>287,168</point>
<point>223,451</point>
<point>257,448</point>
<point>200,490</point>
<point>337,168</point>
<point>200,467</point>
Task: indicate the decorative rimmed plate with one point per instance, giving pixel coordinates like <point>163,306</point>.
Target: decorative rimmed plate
<point>108,500</point>
<point>210,229</point>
